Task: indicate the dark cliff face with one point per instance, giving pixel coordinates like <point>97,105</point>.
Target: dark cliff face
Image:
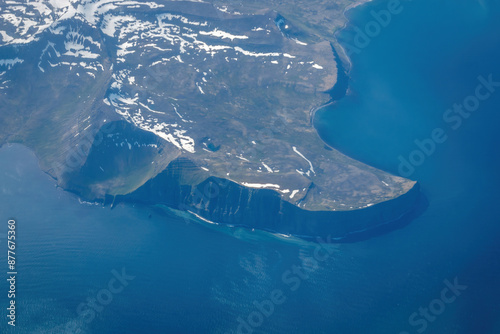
<point>226,202</point>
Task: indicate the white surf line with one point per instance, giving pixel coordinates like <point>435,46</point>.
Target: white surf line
<point>303,157</point>
<point>204,219</point>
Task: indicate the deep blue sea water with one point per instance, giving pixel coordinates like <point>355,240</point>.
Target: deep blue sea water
<point>192,277</point>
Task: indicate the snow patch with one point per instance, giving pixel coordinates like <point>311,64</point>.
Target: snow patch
<point>260,185</point>
<point>303,157</point>
<point>219,33</point>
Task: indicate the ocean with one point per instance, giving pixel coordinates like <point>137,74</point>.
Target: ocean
<point>84,268</point>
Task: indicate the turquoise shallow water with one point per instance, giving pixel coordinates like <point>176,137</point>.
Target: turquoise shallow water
<point>198,278</point>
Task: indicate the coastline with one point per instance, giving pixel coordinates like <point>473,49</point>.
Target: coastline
<point>339,226</point>
<point>296,217</point>
<point>345,57</point>
<point>342,71</point>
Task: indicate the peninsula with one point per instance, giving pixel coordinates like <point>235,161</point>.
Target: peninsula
<point>205,107</point>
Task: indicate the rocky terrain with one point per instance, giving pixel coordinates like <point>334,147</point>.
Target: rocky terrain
<point>134,99</point>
